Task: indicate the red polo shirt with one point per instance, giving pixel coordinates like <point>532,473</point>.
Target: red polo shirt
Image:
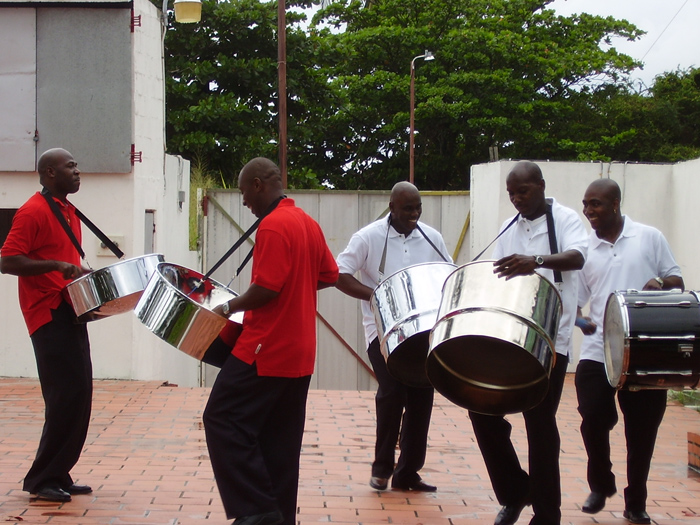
<point>37,234</point>
<point>290,257</point>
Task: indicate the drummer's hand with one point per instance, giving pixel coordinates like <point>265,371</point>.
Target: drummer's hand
<point>652,284</point>
<point>587,326</point>
<point>69,271</point>
<point>219,310</point>
<point>515,264</point>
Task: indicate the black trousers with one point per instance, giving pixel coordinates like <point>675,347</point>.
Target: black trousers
<point>62,351</point>
<point>403,410</point>
<point>254,427</point>
<point>642,412</point>
<point>510,482</point>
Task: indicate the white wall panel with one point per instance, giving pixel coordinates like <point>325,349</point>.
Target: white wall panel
<point>17,89</point>
<point>84,85</point>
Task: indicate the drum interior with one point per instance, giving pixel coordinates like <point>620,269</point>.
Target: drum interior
<point>487,375</point>
<point>407,361</point>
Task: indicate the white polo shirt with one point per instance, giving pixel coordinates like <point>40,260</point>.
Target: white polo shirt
<point>638,255</point>
<point>531,238</point>
<point>364,253</point>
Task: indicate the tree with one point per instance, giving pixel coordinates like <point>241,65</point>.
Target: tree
<point>508,73</point>
<point>221,90</point>
<point>661,124</point>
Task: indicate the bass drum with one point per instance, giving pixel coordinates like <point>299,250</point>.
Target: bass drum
<point>652,340</point>
<point>405,307</point>
<point>492,348</point>
<point>176,306</point>
<point>112,290</point>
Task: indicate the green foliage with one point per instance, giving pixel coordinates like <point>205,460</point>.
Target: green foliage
<point>661,124</point>
<point>221,84</point>
<point>689,398</point>
<point>200,178</point>
<point>507,73</point>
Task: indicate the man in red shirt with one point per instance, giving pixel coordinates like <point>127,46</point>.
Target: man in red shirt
<point>40,253</point>
<point>254,420</point>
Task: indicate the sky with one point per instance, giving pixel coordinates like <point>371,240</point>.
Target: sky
<point>672,26</point>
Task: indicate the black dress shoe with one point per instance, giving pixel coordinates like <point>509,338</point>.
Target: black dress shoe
<point>636,516</point>
<point>52,494</point>
<point>509,514</point>
<point>417,486</point>
<point>595,502</point>
<point>78,489</point>
<point>378,483</point>
<point>267,518</point>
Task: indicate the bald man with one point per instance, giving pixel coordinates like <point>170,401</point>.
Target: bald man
<point>622,255</point>
<point>525,248</point>
<point>401,410</point>
<point>254,419</point>
<point>39,251</point>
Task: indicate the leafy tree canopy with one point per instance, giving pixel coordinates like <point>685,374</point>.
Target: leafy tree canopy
<point>510,74</point>
<point>506,73</point>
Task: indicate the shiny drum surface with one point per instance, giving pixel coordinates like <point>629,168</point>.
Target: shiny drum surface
<point>492,347</point>
<point>652,339</point>
<point>176,307</point>
<point>405,307</point>
<point>112,290</point>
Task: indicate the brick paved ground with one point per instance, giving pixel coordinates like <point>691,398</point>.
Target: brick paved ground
<point>147,460</point>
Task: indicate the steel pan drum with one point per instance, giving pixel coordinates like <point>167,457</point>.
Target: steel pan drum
<point>405,307</point>
<point>652,340</point>
<point>177,308</point>
<point>492,347</point>
<point>112,290</point>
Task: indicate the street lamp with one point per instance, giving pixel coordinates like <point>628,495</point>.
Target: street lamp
<point>187,11</point>
<point>426,56</point>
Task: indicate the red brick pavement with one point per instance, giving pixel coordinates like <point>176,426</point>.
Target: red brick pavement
<point>147,460</point>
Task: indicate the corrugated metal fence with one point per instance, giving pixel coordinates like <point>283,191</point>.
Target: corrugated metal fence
<point>341,361</point>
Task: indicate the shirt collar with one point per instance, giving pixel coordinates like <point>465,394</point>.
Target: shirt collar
<point>628,230</point>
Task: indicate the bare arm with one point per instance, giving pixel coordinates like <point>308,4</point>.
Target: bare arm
<point>518,264</point>
<point>352,287</point>
<point>254,297</point>
<point>322,285</point>
<point>670,282</point>
<point>23,266</point>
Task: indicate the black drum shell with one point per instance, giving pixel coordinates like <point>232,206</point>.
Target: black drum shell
<point>652,339</point>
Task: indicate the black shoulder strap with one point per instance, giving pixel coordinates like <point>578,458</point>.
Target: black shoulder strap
<point>431,243</point>
<point>497,236</point>
<point>62,221</point>
<point>240,241</point>
<point>101,236</point>
<point>94,229</point>
<point>552,239</point>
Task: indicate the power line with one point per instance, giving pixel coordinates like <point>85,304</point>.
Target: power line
<point>664,30</point>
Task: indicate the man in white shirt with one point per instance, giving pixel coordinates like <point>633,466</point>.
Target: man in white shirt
<point>525,248</point>
<point>622,255</point>
<point>401,410</point>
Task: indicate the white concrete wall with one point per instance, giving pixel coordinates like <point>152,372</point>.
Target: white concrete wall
<point>121,346</point>
<point>661,195</point>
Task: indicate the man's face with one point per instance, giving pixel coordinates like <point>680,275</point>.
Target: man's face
<point>406,209</point>
<point>526,195</point>
<point>599,208</point>
<point>66,174</point>
<point>251,199</point>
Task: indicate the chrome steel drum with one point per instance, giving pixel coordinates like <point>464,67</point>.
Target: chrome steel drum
<point>652,339</point>
<point>176,306</point>
<point>405,307</point>
<point>112,290</point>
<point>492,347</point>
